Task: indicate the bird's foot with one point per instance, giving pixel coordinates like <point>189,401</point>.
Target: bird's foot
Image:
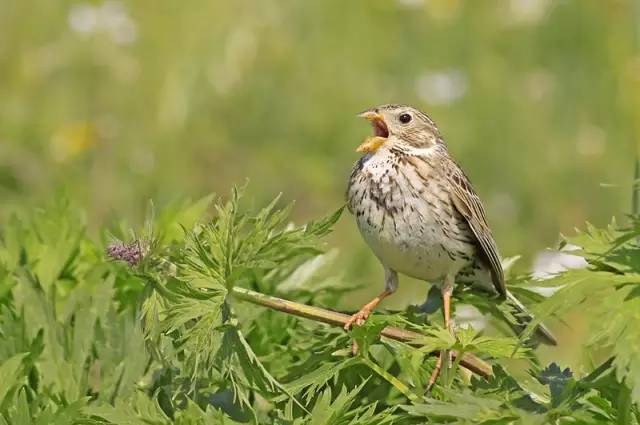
<point>358,318</point>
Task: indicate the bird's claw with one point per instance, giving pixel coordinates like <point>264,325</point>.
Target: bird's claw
<point>358,318</point>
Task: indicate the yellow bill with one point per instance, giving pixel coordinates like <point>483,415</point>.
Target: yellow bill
<point>380,132</point>
<point>371,144</point>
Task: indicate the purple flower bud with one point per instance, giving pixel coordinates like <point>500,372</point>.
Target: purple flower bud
<point>132,252</point>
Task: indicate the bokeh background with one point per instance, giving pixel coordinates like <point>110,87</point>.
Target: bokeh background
<point>120,102</point>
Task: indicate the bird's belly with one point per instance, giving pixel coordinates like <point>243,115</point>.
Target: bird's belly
<point>409,222</point>
<point>413,243</point>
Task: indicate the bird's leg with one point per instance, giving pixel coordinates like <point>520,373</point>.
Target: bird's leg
<point>447,290</point>
<point>390,286</point>
<point>448,323</point>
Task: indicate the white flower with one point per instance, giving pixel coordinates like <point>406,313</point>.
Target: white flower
<point>442,87</point>
<point>110,18</point>
<point>528,11</point>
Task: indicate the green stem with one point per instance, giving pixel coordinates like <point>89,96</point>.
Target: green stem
<point>635,206</point>
<point>334,318</point>
<point>454,368</point>
<point>624,405</point>
<point>635,190</point>
<point>390,379</point>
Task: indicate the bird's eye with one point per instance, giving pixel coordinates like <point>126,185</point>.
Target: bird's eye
<point>404,118</point>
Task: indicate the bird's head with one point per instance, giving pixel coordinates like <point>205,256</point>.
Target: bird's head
<point>399,125</point>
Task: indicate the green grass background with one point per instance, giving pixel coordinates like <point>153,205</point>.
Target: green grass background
<point>122,102</point>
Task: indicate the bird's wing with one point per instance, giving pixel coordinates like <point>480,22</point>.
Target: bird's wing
<point>467,202</point>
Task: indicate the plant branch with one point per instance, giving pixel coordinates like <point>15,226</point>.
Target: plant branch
<point>131,253</point>
<point>334,318</point>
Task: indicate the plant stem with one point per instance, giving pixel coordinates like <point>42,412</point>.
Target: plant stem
<point>624,405</point>
<point>635,101</point>
<point>635,190</point>
<point>334,318</point>
<point>390,379</point>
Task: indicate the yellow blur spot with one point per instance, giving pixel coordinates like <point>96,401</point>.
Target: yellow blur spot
<point>71,140</point>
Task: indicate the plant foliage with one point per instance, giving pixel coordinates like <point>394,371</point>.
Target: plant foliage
<point>160,339</point>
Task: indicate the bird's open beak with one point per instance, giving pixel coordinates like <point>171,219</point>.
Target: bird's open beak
<point>380,132</point>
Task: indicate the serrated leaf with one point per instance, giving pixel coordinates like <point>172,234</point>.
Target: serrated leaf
<point>557,380</point>
<point>21,413</point>
<point>10,371</point>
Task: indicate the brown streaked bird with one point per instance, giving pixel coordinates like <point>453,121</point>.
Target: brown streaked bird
<point>418,212</point>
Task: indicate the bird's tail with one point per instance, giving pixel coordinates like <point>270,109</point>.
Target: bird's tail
<point>525,317</point>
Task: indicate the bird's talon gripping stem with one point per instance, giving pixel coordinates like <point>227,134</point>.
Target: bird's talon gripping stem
<point>359,318</point>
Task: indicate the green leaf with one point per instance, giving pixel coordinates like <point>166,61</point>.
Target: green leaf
<point>120,414</point>
<point>174,218</point>
<point>464,406</point>
<point>368,333</point>
<point>64,415</point>
<point>251,366</point>
<point>557,380</point>
<point>11,371</point>
<point>399,385</point>
<point>318,377</point>
<point>327,411</point>
<point>21,413</point>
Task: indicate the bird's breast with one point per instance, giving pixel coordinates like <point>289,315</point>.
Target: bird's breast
<point>407,218</point>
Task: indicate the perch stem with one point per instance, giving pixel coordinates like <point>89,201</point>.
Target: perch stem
<point>334,318</point>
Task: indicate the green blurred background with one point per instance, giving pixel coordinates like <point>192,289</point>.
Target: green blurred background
<point>120,102</point>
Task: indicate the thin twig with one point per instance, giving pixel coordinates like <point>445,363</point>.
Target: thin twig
<point>468,361</point>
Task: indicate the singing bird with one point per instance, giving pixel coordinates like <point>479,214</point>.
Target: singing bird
<point>419,214</point>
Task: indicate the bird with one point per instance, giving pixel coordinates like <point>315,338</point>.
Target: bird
<point>418,212</point>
